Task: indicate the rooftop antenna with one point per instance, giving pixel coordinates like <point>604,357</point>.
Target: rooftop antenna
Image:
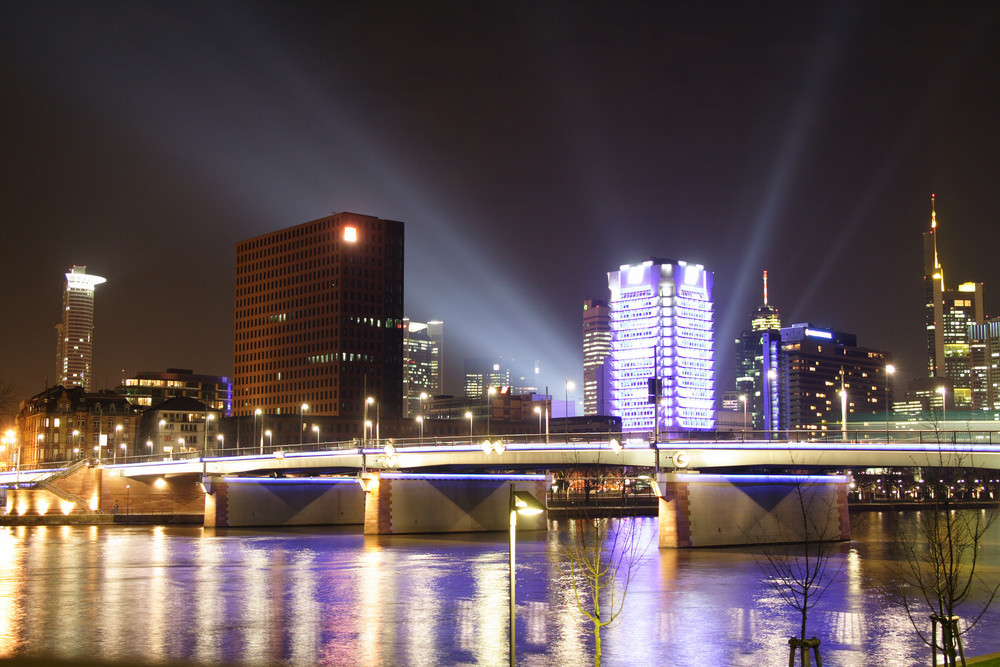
<point>765,287</point>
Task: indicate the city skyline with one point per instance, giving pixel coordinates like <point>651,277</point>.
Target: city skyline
<point>809,147</point>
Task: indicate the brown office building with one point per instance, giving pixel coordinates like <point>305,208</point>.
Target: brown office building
<point>319,319</point>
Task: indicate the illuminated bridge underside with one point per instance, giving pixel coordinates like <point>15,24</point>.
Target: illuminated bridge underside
<point>699,455</point>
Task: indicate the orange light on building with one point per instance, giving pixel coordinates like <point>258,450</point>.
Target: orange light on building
<point>350,234</point>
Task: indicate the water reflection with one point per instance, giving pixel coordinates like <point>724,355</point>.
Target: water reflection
<point>333,596</point>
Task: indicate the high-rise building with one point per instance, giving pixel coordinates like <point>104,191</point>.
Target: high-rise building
<point>947,316</point>
<point>319,319</point>
<point>75,333</point>
<point>750,361</point>
<point>984,363</point>
<point>811,375</point>
<point>662,346</point>
<point>423,362</point>
<point>596,348</point>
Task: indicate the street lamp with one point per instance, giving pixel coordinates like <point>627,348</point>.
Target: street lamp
<point>843,414</point>
<point>422,398</point>
<point>569,385</point>
<point>944,403</point>
<point>364,434</point>
<point>468,415</point>
<point>257,413</point>
<point>118,435</point>
<point>302,427</point>
<point>420,420</point>
<point>159,433</point>
<point>149,444</point>
<point>76,441</point>
<point>538,411</point>
<point>889,370</point>
<point>222,441</point>
<point>743,400</point>
<point>489,407</point>
<point>268,434</point>
<point>124,447</point>
<point>316,431</point>
<point>521,502</point>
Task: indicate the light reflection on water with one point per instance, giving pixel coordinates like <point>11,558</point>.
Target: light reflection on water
<point>333,596</point>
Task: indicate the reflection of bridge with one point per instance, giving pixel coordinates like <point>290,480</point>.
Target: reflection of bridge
<point>397,485</point>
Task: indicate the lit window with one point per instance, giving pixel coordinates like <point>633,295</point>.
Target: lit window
<point>350,234</point>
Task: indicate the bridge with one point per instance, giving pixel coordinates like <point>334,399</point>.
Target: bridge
<point>379,483</point>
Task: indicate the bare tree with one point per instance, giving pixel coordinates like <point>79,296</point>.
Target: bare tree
<point>938,568</point>
<point>799,567</point>
<point>600,555</point>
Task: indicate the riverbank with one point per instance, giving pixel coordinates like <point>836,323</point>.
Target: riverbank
<point>101,519</point>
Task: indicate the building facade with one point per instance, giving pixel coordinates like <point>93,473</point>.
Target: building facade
<point>662,346</point>
<point>180,425</point>
<point>596,348</point>
<point>423,363</point>
<point>319,319</point>
<point>817,379</point>
<point>75,333</point>
<point>750,362</point>
<point>148,388</point>
<point>64,424</point>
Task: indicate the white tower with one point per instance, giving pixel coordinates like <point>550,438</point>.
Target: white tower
<point>74,347</point>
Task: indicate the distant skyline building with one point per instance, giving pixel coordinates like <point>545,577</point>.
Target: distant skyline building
<point>596,348</point>
<point>662,339</point>
<point>75,333</point>
<point>750,361</point>
<point>947,317</point>
<point>809,373</point>
<point>481,373</point>
<point>423,362</point>
<point>984,363</point>
<point>319,319</point>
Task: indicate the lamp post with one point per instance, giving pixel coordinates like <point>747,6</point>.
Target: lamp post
<point>222,441</point>
<point>302,426</point>
<point>76,441</point>
<point>889,370</point>
<point>316,431</point>
<point>423,397</point>
<point>365,423</point>
<point>468,415</point>
<point>209,416</point>
<point>257,413</point>
<point>269,441</point>
<point>569,385</point>
<point>420,421</point>
<point>123,446</point>
<point>118,434</point>
<point>149,445</point>
<point>944,403</point>
<point>743,400</point>
<point>159,433</point>
<point>521,502</point>
<point>489,407</point>
<point>128,494</point>
<point>843,415</point>
<point>538,411</point>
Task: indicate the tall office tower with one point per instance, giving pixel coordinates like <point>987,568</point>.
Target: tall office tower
<point>984,365</point>
<point>75,334</point>
<point>319,318</point>
<point>750,361</point>
<point>481,373</point>
<point>947,316</point>
<point>596,348</point>
<point>662,345</point>
<point>806,369</point>
<point>423,351</point>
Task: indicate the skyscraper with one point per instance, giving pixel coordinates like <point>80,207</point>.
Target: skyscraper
<point>662,345</point>
<point>596,348</point>
<point>319,318</point>
<point>750,360</point>
<point>423,357</point>
<point>75,334</point>
<point>947,316</point>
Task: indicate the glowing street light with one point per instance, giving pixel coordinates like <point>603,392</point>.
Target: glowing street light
<point>569,385</point>
<point>489,407</point>
<point>257,413</point>
<point>538,411</point>
<point>743,400</point>
<point>889,370</point>
<point>316,431</point>
<point>521,502</point>
<point>365,423</point>
<point>222,440</point>
<point>268,434</point>
<point>944,403</point>
<point>420,420</point>
<point>76,441</point>
<point>468,415</point>
<point>302,427</point>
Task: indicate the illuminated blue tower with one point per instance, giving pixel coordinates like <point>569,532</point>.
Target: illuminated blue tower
<point>662,346</point>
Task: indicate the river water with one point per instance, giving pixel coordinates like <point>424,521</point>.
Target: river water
<point>333,596</point>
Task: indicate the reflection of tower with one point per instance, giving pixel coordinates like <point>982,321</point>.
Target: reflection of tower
<point>596,348</point>
<point>662,329</point>
<point>750,360</point>
<point>947,317</point>
<point>74,344</point>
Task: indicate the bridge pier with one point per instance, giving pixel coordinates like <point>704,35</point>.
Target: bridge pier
<point>707,510</point>
<point>397,503</point>
<point>232,502</point>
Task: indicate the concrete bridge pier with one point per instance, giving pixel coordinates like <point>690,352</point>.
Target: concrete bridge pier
<point>397,503</point>
<point>232,502</point>
<point>707,510</point>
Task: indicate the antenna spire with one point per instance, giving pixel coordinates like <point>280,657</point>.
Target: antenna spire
<point>937,264</point>
<point>765,287</point>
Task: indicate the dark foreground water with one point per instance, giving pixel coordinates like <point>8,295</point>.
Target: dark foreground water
<point>333,596</point>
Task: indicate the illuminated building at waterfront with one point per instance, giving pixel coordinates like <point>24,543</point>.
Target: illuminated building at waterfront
<point>423,362</point>
<point>75,333</point>
<point>319,319</point>
<point>596,348</point>
<point>147,388</point>
<point>948,315</point>
<point>662,338</point>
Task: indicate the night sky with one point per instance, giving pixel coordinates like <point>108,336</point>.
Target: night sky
<point>530,148</point>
